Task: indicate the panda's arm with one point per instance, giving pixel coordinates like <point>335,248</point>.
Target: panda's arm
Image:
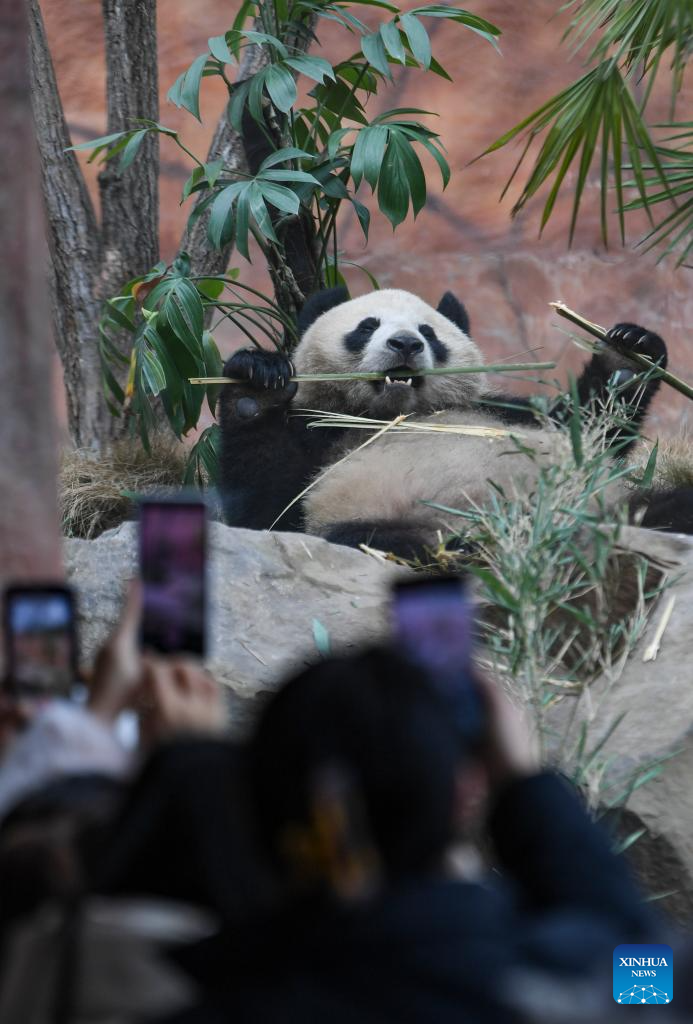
<point>267,456</point>
<point>609,371</point>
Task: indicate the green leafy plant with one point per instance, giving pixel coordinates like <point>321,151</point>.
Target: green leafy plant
<point>321,154</point>
<point>598,122</point>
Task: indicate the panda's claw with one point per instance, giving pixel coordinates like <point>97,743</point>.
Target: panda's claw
<point>261,371</point>
<point>631,337</point>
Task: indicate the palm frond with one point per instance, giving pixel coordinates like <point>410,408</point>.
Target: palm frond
<point>674,231</point>
<point>636,34</point>
<point>598,108</point>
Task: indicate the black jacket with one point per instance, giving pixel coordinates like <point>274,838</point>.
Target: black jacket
<point>429,951</point>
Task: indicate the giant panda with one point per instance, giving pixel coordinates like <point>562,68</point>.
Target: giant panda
<point>382,495</point>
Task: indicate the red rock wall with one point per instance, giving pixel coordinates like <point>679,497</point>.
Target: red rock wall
<point>464,239</point>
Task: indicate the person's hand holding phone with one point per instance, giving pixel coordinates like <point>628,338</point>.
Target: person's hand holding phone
<point>510,749</point>
<point>177,697</point>
<point>15,715</point>
<point>117,672</point>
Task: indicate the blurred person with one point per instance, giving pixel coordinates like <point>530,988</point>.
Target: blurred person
<point>64,772</point>
<point>358,788</point>
<point>182,832</point>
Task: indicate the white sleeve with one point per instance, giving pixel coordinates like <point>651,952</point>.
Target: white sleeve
<point>64,739</point>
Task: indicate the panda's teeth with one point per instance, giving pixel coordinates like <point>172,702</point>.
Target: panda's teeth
<point>408,381</point>
<point>387,380</point>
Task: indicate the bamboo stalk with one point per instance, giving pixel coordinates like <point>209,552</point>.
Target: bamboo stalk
<point>640,360</point>
<point>438,371</point>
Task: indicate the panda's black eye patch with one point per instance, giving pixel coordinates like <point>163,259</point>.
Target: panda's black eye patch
<point>357,339</point>
<point>440,350</point>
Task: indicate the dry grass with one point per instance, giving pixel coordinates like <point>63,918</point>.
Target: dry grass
<point>674,461</point>
<point>96,490</point>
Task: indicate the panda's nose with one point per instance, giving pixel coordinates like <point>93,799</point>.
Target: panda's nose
<point>405,345</point>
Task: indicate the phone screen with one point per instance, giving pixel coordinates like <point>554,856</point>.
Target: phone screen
<point>172,567</point>
<point>41,650</point>
<point>433,623</point>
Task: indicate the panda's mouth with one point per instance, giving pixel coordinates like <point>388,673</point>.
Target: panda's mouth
<point>397,377</point>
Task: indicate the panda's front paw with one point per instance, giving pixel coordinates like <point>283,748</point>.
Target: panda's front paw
<point>266,382</point>
<point>259,369</point>
<point>625,338</point>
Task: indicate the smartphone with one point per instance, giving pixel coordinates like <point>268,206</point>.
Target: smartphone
<point>40,640</point>
<point>173,555</point>
<point>433,627</point>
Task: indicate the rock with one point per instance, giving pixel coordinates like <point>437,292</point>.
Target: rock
<point>656,701</point>
<point>267,592</point>
<point>268,589</point>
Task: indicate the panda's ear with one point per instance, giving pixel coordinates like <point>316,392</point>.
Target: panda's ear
<point>319,303</point>
<point>453,309</point>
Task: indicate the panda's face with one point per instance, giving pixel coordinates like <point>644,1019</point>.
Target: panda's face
<point>386,331</point>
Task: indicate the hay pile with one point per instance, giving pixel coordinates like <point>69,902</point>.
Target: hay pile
<point>97,490</point>
<point>674,460</point>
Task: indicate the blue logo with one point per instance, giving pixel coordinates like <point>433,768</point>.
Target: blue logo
<point>643,974</point>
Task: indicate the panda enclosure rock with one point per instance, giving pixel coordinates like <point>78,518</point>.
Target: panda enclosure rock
<point>268,588</point>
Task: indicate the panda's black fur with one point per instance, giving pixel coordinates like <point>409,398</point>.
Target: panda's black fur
<point>269,456</point>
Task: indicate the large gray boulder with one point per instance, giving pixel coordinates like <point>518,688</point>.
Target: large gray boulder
<point>270,589</point>
<point>271,595</point>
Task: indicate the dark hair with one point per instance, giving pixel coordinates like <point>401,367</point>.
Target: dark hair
<point>378,718</point>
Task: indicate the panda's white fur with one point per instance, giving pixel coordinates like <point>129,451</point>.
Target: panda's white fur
<point>393,478</point>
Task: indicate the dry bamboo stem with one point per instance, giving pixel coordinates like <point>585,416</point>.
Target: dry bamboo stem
<point>600,332</point>
<point>652,649</point>
<point>400,375</point>
<point>318,418</point>
<point>383,430</point>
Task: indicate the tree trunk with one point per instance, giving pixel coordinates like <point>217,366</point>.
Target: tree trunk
<point>130,201</point>
<point>29,534</point>
<point>90,263</point>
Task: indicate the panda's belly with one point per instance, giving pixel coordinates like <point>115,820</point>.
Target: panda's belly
<point>393,477</point>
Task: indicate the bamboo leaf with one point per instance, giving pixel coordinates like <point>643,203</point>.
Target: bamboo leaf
<point>367,154</point>
<point>260,213</point>
<point>130,151</point>
<point>221,209</point>
<point>417,36</point>
<point>219,48</point>
<point>281,86</point>
<point>391,39</point>
<point>316,68</point>
<point>281,198</point>
<point>321,638</point>
<point>153,372</point>
<point>373,50</point>
<point>189,97</point>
